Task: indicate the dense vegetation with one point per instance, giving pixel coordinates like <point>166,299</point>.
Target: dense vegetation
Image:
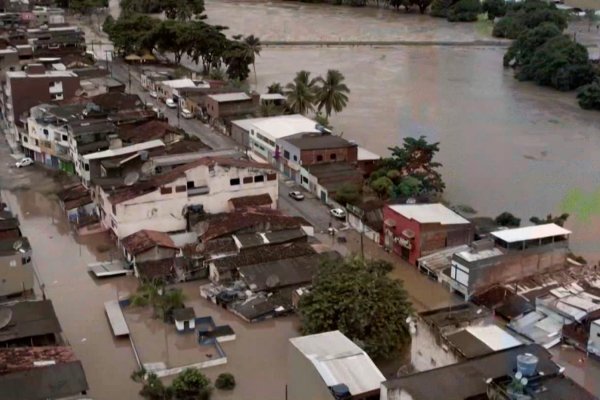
<point>357,297</point>
<point>202,42</point>
<point>81,6</point>
<point>543,54</point>
<point>173,9</point>
<point>191,384</point>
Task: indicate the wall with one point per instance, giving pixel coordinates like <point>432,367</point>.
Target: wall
<point>304,382</point>
<point>240,136</point>
<point>155,253</point>
<point>403,223</point>
<point>31,91</point>
<point>15,276</point>
<point>224,109</point>
<point>311,157</point>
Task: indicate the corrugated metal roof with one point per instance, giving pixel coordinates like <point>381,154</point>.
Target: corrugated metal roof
<point>125,150</point>
<point>225,97</point>
<point>286,125</point>
<point>531,233</point>
<point>494,337</point>
<point>339,360</point>
<point>429,213</point>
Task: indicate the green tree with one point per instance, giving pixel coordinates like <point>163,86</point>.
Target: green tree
<point>332,93</point>
<point>508,220</point>
<point>132,33</point>
<point>84,7</point>
<point>494,8</point>
<point>237,57</point>
<point>192,384</point>
<point>153,388</point>
<point>303,77</point>
<point>108,23</point>
<point>182,10</point>
<point>275,87</point>
<point>254,47</point>
<point>171,300</point>
<point>357,297</point>
<point>225,381</point>
<point>421,4</point>
<point>415,158</point>
<point>382,186</point>
<point>589,96</point>
<point>521,50</point>
<point>439,8</point>
<point>348,193</point>
<point>218,74</point>
<point>322,120</point>
<point>173,37</point>
<point>269,109</point>
<point>558,220</point>
<point>152,293</point>
<point>464,11</point>
<point>300,97</point>
<point>408,187</point>
<point>527,15</point>
<point>209,46</point>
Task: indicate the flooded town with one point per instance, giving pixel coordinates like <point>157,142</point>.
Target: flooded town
<point>354,199</point>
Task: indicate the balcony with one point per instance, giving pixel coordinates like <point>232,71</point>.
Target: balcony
<point>198,191</point>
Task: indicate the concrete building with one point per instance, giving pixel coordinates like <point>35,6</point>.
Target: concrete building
<point>260,135</point>
<point>416,230</point>
<point>31,87</point>
<point>160,202</point>
<point>329,366</point>
<point>56,41</point>
<point>225,105</point>
<point>512,254</point>
<point>16,268</point>
<point>147,245</point>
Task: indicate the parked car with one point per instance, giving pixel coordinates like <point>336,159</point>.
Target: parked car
<point>153,94</point>
<point>171,103</point>
<point>338,213</point>
<point>187,114</point>
<point>296,195</point>
<point>24,162</point>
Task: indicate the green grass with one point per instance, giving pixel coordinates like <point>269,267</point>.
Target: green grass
<point>484,26</point>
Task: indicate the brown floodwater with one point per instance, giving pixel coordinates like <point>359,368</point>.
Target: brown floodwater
<point>505,145</point>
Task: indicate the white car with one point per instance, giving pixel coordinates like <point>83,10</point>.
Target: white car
<point>338,213</point>
<point>298,196</point>
<point>171,103</point>
<point>153,94</point>
<point>24,162</point>
<point>187,114</point>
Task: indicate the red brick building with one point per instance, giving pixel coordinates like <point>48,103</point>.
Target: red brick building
<point>415,230</point>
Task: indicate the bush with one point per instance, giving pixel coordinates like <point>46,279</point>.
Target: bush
<point>192,384</point>
<point>225,381</point>
<point>439,8</point>
<point>494,8</point>
<point>522,49</point>
<point>464,11</point>
<point>508,27</point>
<point>589,96</point>
<point>573,76</point>
<point>528,15</point>
<point>508,220</point>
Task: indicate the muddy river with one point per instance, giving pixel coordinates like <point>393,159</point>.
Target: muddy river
<point>505,145</point>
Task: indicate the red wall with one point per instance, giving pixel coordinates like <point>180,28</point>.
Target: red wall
<point>403,223</point>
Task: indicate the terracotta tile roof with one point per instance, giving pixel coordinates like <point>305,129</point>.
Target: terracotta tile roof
<point>186,146</point>
<point>264,220</point>
<point>22,358</point>
<point>156,269</point>
<point>262,254</point>
<point>252,201</point>
<point>75,196</point>
<point>144,187</point>
<point>145,239</point>
<point>146,131</point>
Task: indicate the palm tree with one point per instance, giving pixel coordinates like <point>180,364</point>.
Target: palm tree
<point>333,93</point>
<point>304,78</point>
<point>148,294</point>
<point>275,87</point>
<point>269,109</point>
<point>255,47</point>
<point>300,97</point>
<point>169,301</point>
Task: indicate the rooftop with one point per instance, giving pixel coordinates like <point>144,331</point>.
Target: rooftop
<point>272,96</point>
<point>184,158</point>
<point>258,255</point>
<point>463,380</point>
<point>146,239</point>
<point>29,319</point>
<point>252,201</point>
<point>86,127</point>
<point>316,141</point>
<point>440,260</point>
<point>179,83</point>
<point>475,341</point>
<point>33,373</point>
<point>285,125</point>
<point>50,73</point>
<point>366,155</point>
<point>429,213</point>
<point>146,131</point>
<point>227,97</point>
<point>340,361</point>
<point>333,175</point>
<point>530,233</point>
<point>472,255</point>
<point>124,150</point>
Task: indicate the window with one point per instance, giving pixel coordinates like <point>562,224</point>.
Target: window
<point>259,178</point>
<point>319,158</point>
<point>332,156</point>
<point>25,260</point>
<point>25,139</point>
<point>86,167</point>
<point>295,158</point>
<point>180,188</point>
<point>37,143</point>
<point>271,177</point>
<point>166,190</point>
<point>247,179</point>
<point>190,184</point>
<point>114,209</point>
<point>65,138</point>
<point>234,181</point>
<point>304,179</point>
<point>286,154</point>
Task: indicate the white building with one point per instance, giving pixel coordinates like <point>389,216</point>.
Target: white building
<point>263,133</point>
<point>327,363</point>
<point>160,203</point>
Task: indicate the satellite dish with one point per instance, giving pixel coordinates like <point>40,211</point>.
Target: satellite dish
<point>131,178</point>
<point>272,281</point>
<point>18,245</point>
<point>147,168</point>
<point>5,317</point>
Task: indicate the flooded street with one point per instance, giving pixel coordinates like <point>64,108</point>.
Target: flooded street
<point>505,145</point>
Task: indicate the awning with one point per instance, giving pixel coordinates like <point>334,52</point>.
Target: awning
<point>133,57</point>
<point>148,57</point>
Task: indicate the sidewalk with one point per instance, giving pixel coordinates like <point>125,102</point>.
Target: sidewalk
<point>425,293</point>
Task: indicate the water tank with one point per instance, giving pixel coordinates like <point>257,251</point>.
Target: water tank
<point>527,364</point>
<point>340,391</point>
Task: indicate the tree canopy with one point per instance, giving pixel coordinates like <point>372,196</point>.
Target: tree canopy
<point>508,220</point>
<point>332,92</point>
<point>464,11</point>
<point>173,9</point>
<point>191,384</point>
<point>589,96</point>
<point>357,297</point>
<point>527,15</point>
<point>494,8</point>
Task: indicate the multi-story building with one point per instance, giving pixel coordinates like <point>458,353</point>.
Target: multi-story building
<point>32,87</point>
<point>160,202</point>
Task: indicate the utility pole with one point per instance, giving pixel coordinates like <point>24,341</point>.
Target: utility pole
<point>106,52</point>
<point>129,76</point>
